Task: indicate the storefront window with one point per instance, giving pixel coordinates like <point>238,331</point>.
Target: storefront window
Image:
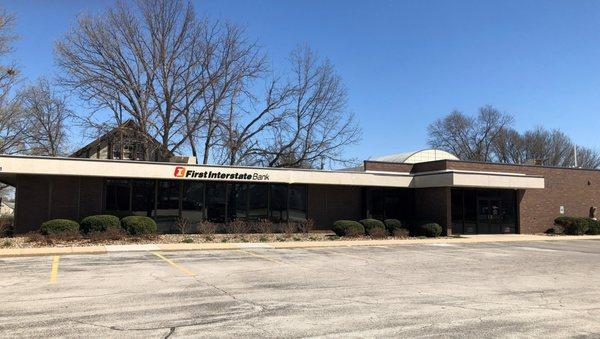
<point>297,201</point>
<point>483,211</point>
<point>278,202</point>
<point>258,203</point>
<point>377,204</point>
<point>216,201</point>
<point>192,201</point>
<point>457,211</point>
<point>470,201</point>
<point>167,204</point>
<point>117,195</point>
<point>237,207</point>
<point>142,197</point>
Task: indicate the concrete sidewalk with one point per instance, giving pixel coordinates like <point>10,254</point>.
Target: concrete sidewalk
<point>40,251</point>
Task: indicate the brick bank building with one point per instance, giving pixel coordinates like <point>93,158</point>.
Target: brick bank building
<point>426,186</point>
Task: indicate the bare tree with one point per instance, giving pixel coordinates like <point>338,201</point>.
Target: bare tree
<point>550,148</point>
<point>301,122</point>
<point>588,158</point>
<point>467,137</point>
<point>46,118</point>
<point>153,62</point>
<point>233,64</point>
<point>12,125</point>
<point>318,125</point>
<point>12,122</point>
<point>509,147</point>
<point>244,136</point>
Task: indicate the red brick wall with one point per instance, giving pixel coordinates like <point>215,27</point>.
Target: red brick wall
<point>91,196</point>
<point>40,198</point>
<point>65,198</point>
<point>31,205</point>
<point>386,166</point>
<point>326,204</point>
<point>433,205</point>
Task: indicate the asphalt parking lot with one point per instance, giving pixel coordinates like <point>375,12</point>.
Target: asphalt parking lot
<point>541,289</point>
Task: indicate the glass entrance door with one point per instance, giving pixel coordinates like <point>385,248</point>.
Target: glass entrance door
<point>490,216</point>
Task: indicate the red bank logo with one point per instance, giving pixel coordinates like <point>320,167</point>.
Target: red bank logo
<point>179,171</point>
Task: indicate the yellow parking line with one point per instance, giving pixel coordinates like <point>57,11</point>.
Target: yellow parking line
<point>262,257</point>
<point>172,263</point>
<point>54,270</point>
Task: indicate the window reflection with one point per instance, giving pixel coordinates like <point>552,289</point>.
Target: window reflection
<point>237,207</point>
<point>167,204</point>
<point>192,201</point>
<point>117,195</point>
<point>258,201</point>
<point>297,202</point>
<point>142,197</point>
<point>278,202</point>
<point>216,194</point>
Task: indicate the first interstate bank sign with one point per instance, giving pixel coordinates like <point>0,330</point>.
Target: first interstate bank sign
<point>182,172</point>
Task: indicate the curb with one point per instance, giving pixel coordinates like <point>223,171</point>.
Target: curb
<point>45,251</point>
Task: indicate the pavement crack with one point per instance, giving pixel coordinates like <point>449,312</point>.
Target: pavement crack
<point>114,328</point>
<point>171,331</point>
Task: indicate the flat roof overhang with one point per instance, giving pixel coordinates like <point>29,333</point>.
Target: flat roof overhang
<point>474,179</point>
<point>35,165</point>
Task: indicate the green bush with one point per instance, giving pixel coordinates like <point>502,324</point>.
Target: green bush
<point>392,224</point>
<point>573,225</point>
<point>348,228</point>
<point>431,230</point>
<point>119,214</point>
<point>56,226</point>
<point>138,225</point>
<point>99,223</point>
<point>369,224</point>
<point>594,227</point>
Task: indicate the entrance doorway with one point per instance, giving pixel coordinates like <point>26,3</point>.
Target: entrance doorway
<point>489,216</point>
<point>479,211</point>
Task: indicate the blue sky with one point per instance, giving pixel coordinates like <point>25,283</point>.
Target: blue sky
<point>404,63</point>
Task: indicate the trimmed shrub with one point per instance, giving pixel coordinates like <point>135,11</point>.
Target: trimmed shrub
<point>573,225</point>
<point>348,228</point>
<point>138,225</point>
<point>392,224</point>
<point>99,223</point>
<point>594,227</point>
<point>431,230</point>
<point>368,224</point>
<point>119,214</point>
<point>56,226</point>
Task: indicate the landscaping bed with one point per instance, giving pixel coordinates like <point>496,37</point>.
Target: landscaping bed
<point>99,230</point>
<point>36,240</point>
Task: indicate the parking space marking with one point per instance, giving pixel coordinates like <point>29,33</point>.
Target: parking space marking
<point>54,269</point>
<point>177,266</point>
<point>262,257</point>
